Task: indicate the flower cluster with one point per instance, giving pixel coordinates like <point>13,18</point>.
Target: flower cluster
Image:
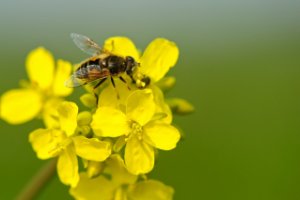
<point>115,136</point>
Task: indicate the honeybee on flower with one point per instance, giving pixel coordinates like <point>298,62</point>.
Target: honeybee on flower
<point>117,137</point>
<point>101,66</point>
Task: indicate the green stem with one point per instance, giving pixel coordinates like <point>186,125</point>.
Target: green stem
<point>38,181</point>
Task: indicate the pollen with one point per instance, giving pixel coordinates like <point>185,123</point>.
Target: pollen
<point>136,130</point>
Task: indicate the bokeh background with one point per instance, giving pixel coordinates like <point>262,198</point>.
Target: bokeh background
<point>239,65</point>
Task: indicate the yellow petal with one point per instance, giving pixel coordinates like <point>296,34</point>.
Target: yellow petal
<point>118,171</point>
<point>40,67</point>
<point>161,106</point>
<point>94,168</point>
<point>140,106</point>
<point>67,112</point>
<point>98,188</point>
<point>120,194</point>
<point>160,55</point>
<point>67,166</point>
<point>50,114</point>
<point>150,190</point>
<point>161,135</point>
<point>121,46</point>
<point>63,71</point>
<point>46,142</point>
<point>108,96</point>
<point>139,156</point>
<point>109,122</point>
<point>20,105</point>
<point>91,149</point>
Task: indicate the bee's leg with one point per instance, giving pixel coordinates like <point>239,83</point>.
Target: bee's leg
<point>124,81</point>
<point>97,98</point>
<point>96,86</point>
<point>100,82</point>
<point>113,83</point>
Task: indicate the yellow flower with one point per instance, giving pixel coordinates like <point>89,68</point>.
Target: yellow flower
<point>142,129</point>
<point>121,186</point>
<point>159,56</point>
<point>108,98</point>
<point>42,94</point>
<point>64,144</point>
<point>139,121</point>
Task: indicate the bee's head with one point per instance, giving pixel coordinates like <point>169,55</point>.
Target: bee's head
<point>131,64</point>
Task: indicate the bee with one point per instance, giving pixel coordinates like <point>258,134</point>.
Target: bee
<point>102,64</point>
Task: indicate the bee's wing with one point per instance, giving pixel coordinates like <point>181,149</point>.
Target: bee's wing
<point>73,81</point>
<point>76,79</point>
<point>86,44</point>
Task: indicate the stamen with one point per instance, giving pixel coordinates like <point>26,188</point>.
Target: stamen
<point>136,129</point>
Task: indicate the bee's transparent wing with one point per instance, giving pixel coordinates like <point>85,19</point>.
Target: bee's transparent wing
<point>78,78</point>
<point>86,44</point>
<point>73,81</point>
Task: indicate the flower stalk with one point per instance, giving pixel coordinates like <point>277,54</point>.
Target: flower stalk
<point>38,181</point>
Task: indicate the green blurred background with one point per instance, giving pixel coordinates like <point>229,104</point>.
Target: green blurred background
<point>239,65</point>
